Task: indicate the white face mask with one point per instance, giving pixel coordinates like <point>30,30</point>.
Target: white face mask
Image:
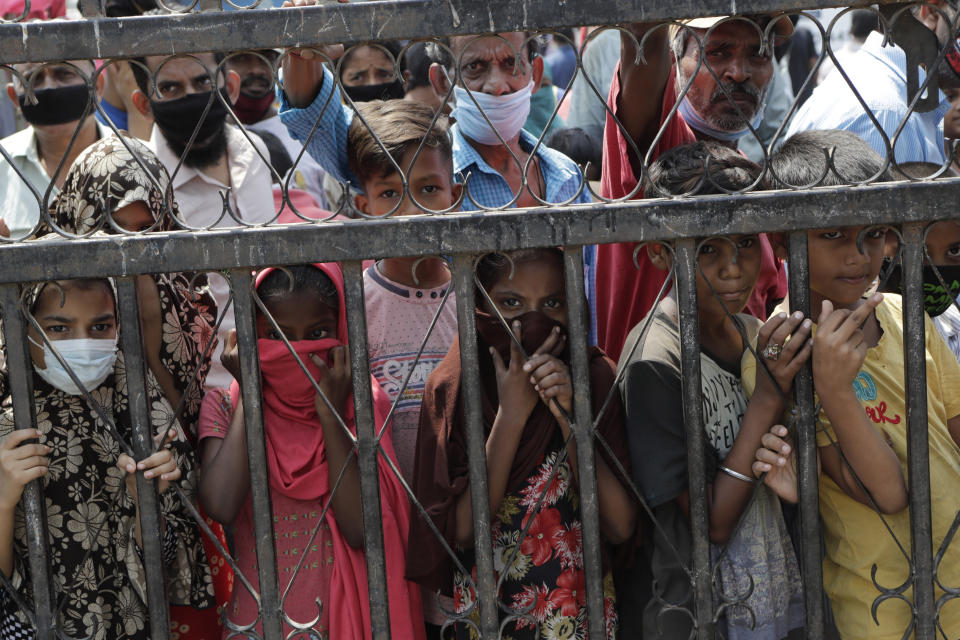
<point>90,360</point>
<point>507,113</point>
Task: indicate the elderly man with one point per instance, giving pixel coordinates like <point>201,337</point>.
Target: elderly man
<point>63,107</point>
<point>486,72</point>
<point>725,95</point>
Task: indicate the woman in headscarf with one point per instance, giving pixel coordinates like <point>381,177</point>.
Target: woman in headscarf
<point>84,460</point>
<point>119,184</point>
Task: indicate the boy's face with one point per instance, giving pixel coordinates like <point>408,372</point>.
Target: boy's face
<point>87,312</point>
<point>430,180</point>
<point>731,265</point>
<point>943,243</point>
<point>838,271</point>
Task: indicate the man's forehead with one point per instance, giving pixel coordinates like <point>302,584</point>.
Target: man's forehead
<point>165,66</point>
<point>27,68</point>
<point>500,45</point>
<point>732,33</point>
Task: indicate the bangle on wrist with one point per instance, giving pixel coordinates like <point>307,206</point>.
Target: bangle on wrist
<point>736,474</point>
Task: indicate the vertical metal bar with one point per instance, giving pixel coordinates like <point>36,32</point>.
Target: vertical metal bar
<point>918,446</point>
<point>20,374</point>
<point>583,436</point>
<point>686,256</point>
<point>811,564</point>
<point>244,311</point>
<point>131,341</point>
<point>368,450</point>
<point>476,445</point>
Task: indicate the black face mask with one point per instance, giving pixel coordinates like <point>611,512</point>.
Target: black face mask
<point>58,105</point>
<point>366,93</point>
<point>936,299</point>
<point>178,118</point>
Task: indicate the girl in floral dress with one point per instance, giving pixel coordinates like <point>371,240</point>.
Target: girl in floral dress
<point>177,315</point>
<point>532,469</point>
<point>88,479</point>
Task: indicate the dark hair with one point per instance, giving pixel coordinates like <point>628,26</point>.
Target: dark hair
<point>417,62</point>
<point>141,73</point>
<point>493,267</point>
<point>703,168</point>
<point>399,125</point>
<point>914,170</point>
<point>279,158</point>
<point>306,279</point>
<point>862,22</point>
<point>390,46</point>
<point>802,159</point>
<point>580,147</point>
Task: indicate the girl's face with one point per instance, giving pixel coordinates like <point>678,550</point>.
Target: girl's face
<point>537,285</point>
<point>301,315</point>
<point>87,312</point>
<point>134,217</point>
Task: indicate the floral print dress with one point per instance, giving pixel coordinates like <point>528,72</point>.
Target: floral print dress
<point>541,573</point>
<point>96,564</point>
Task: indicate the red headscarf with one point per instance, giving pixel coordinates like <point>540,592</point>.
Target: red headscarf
<point>296,457</point>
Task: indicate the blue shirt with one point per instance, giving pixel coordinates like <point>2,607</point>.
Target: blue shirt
<point>880,76</point>
<point>486,188</point>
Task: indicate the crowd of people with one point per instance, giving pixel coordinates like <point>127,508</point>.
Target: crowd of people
<point>484,123</point>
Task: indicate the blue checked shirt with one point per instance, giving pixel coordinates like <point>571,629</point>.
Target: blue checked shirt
<point>879,74</point>
<point>487,188</point>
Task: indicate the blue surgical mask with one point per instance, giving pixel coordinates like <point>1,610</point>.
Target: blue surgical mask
<point>507,112</point>
<point>91,360</point>
<point>698,123</point>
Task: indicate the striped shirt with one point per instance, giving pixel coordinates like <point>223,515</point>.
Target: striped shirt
<point>879,75</point>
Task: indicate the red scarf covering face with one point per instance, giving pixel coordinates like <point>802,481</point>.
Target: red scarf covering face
<point>297,461</point>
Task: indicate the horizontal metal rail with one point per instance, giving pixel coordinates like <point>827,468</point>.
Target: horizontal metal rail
<point>635,221</point>
<point>335,23</point>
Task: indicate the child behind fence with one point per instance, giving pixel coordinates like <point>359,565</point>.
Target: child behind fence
<point>755,565</point>
<point>529,456</point>
<point>317,514</point>
<point>858,375</point>
<point>403,295</point>
<point>83,457</point>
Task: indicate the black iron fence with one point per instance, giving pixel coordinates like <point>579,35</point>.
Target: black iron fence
<point>232,247</point>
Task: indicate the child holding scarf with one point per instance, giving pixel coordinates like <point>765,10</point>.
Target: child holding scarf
<point>318,531</point>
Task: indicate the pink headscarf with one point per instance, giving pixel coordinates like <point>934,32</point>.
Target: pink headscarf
<point>297,461</point>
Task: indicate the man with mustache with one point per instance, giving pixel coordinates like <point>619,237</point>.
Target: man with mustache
<point>725,96</point>
<point>879,74</point>
<point>256,109</point>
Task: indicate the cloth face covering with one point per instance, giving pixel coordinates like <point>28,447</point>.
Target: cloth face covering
<point>90,360</point>
<point>936,299</point>
<point>698,123</point>
<point>251,109</point>
<point>58,105</point>
<point>179,118</point>
<point>507,113</point>
<point>384,91</point>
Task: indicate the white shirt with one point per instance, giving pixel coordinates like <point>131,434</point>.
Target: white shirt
<point>250,196</point>
<point>21,208</point>
<point>308,175</point>
<point>948,324</point>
